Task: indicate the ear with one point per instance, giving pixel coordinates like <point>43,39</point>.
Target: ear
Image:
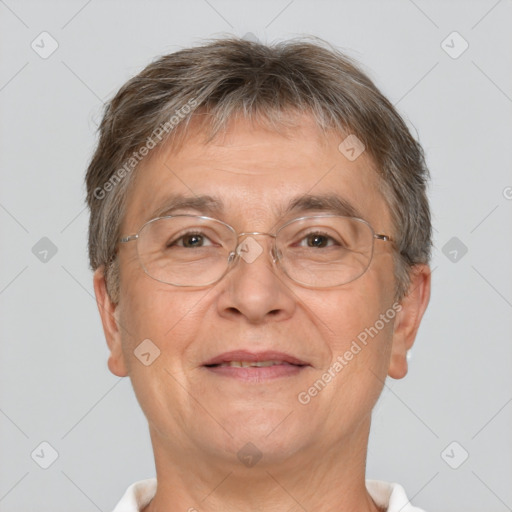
<point>408,319</point>
<point>109,313</point>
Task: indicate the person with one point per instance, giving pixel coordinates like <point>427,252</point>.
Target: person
<point>260,237</point>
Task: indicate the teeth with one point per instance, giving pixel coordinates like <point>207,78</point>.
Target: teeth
<point>249,364</point>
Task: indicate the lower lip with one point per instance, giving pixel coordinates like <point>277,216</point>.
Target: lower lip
<point>257,373</point>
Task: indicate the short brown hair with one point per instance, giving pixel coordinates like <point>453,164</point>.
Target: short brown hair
<point>234,77</point>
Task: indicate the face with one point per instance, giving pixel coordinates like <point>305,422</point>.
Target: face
<point>255,312</point>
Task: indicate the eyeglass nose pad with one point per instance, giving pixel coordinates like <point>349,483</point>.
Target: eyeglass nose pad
<point>276,254</point>
<point>237,253</point>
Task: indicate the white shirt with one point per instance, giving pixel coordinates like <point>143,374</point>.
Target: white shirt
<point>392,496</point>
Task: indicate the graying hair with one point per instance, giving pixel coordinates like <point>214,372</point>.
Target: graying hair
<point>230,78</point>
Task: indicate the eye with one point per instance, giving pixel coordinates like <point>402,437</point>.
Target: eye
<point>191,241</point>
<point>317,240</point>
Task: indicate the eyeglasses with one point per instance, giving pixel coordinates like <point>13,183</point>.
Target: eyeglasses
<point>315,251</point>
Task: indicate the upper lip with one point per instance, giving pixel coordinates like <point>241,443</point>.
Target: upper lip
<point>244,355</point>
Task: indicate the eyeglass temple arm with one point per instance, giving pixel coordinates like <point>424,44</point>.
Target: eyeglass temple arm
<point>128,238</point>
<point>385,238</point>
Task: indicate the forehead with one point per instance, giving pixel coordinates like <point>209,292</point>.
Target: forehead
<point>250,173</point>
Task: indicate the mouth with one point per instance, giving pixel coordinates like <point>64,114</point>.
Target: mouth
<point>250,366</point>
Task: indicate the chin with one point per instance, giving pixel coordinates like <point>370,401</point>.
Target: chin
<point>275,433</point>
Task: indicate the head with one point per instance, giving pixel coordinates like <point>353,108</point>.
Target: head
<point>257,129</point>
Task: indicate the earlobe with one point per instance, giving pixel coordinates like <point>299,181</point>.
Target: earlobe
<point>109,313</point>
<point>408,319</point>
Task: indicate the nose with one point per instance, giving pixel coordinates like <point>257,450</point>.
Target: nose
<point>254,288</point>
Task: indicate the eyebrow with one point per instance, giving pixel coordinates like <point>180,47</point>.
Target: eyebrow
<point>211,206</point>
<point>331,203</point>
<point>204,204</point>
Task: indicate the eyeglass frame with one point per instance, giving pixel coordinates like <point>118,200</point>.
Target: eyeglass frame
<point>232,257</point>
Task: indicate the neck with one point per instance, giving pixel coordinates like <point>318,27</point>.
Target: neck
<point>324,479</point>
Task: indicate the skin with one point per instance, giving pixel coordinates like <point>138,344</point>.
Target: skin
<point>313,456</point>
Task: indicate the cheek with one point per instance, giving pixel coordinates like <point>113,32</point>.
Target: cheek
<point>356,322</point>
<point>359,342</point>
<point>346,315</point>
<point>162,323</point>
<point>155,311</point>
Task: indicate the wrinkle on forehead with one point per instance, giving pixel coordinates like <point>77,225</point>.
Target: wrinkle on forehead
<point>259,165</point>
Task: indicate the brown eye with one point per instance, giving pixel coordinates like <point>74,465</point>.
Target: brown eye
<point>190,241</point>
<point>317,240</point>
<point>193,240</point>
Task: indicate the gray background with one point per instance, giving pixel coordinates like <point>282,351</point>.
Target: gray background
<point>54,383</point>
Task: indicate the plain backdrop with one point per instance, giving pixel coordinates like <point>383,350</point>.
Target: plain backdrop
<point>444,431</point>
